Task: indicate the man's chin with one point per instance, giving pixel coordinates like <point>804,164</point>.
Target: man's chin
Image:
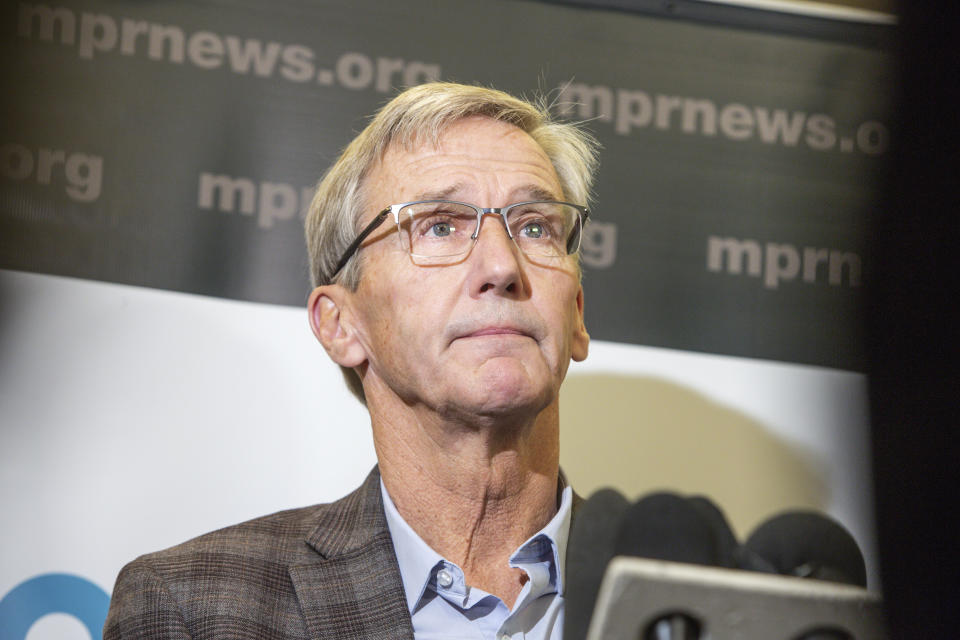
<point>506,399</point>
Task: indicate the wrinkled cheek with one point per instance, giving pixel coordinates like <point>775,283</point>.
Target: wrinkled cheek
<point>405,355</point>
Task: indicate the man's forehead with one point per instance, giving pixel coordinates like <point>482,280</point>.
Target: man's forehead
<point>441,167</point>
<point>475,127</point>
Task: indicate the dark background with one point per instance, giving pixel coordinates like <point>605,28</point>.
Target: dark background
<point>913,324</point>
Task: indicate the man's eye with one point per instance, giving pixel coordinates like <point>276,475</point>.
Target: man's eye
<point>440,229</point>
<point>534,230</point>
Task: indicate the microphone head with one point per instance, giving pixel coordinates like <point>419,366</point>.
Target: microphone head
<point>665,526</point>
<point>809,545</point>
<point>728,549</point>
<point>589,549</point>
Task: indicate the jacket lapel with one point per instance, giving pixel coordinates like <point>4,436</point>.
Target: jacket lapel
<point>353,589</point>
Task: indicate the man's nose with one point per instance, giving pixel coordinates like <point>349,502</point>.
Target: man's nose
<point>496,257</point>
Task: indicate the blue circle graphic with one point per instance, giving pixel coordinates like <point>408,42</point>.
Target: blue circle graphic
<point>52,593</point>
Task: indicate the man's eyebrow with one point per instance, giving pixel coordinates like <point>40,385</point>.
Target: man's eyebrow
<point>439,194</point>
<point>534,192</point>
<point>527,192</point>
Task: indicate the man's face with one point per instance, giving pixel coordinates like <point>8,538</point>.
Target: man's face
<point>492,333</point>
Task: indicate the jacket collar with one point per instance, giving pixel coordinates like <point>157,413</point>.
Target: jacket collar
<point>353,588</point>
<point>353,522</point>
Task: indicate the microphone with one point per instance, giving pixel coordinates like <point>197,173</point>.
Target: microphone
<point>660,526</point>
<point>809,545</point>
<point>670,602</point>
<point>729,551</point>
<point>666,526</point>
<point>733,555</point>
<point>589,550</point>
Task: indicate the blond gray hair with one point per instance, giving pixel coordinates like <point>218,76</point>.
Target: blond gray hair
<point>415,117</point>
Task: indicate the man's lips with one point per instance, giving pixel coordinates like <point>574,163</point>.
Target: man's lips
<point>504,325</point>
<point>496,331</point>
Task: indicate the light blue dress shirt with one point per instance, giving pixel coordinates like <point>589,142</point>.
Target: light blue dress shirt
<point>442,605</point>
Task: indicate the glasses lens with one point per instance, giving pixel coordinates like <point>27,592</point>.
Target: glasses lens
<point>547,229</point>
<point>441,229</point>
<point>437,229</point>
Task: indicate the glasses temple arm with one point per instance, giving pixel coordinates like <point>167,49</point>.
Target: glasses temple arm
<point>352,249</point>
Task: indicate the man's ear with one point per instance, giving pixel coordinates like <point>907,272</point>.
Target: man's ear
<point>329,319</point>
<point>581,339</point>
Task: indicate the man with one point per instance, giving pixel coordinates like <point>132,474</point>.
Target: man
<point>454,316</point>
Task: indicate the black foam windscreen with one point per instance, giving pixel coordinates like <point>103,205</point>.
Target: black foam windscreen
<point>589,550</point>
<point>809,545</point>
<point>731,553</point>
<point>728,549</point>
<point>665,526</point>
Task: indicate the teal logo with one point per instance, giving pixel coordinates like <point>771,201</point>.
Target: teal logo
<point>52,593</point>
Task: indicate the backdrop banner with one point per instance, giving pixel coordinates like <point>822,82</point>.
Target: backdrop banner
<point>175,145</point>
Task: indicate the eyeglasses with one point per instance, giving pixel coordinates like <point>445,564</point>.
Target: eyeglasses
<point>438,231</point>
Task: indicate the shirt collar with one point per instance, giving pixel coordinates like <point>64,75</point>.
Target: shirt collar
<point>415,557</point>
<point>417,560</point>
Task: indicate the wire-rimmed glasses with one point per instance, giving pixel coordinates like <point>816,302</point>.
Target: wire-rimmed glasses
<point>439,231</point>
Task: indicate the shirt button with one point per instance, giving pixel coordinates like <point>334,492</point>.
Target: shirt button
<point>444,579</point>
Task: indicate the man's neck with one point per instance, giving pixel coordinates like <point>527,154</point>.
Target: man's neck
<point>473,494</point>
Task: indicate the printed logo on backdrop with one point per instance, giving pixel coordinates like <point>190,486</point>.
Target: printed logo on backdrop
<point>95,34</point>
<point>775,262</point>
<point>630,109</point>
<point>78,174</point>
<point>49,594</point>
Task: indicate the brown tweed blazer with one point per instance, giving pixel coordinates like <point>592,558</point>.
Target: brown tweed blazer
<point>327,571</point>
